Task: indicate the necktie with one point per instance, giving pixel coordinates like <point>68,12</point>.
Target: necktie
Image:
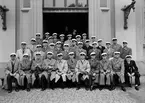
<point>12,67</point>
<point>23,51</point>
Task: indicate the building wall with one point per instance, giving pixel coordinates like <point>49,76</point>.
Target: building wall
<point>134,33</point>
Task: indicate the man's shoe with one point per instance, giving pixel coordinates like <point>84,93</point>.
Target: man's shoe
<point>9,91</point>
<point>17,90</point>
<point>78,88</point>
<point>137,88</point>
<point>91,88</point>
<point>42,89</point>
<point>28,89</point>
<point>122,88</point>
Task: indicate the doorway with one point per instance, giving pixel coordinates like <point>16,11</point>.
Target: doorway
<point>65,22</point>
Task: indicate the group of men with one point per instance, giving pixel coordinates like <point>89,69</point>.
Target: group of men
<point>77,61</point>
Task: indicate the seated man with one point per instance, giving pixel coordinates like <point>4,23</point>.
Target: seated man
<point>82,71</point>
<point>131,70</point>
<point>36,69</point>
<point>48,67</point>
<point>105,72</point>
<point>117,65</point>
<point>71,68</point>
<point>95,70</point>
<point>62,67</point>
<point>12,73</point>
<point>25,69</point>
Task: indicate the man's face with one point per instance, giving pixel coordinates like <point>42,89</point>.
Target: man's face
<point>49,56</point>
<point>114,41</point>
<point>66,47</point>
<point>58,45</point>
<point>128,59</point>
<point>69,37</point>
<point>124,44</point>
<point>73,42</point>
<point>78,39</point>
<point>45,44</point>
<point>71,56</point>
<point>60,57</point>
<point>94,45</point>
<point>50,40</point>
<point>38,56</point>
<point>93,56</point>
<point>108,45</point>
<point>47,36</point>
<point>55,36</point>
<point>116,55</point>
<point>51,46</point>
<point>87,43</point>
<point>82,56</point>
<point>80,45</point>
<point>62,37</point>
<point>100,43</point>
<point>37,36</point>
<point>84,37</point>
<point>25,57</point>
<point>23,46</point>
<point>13,57</point>
<point>33,42</point>
<point>39,48</point>
<point>93,39</point>
<point>104,56</point>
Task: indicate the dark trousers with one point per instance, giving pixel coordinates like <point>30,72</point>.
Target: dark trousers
<point>43,82</point>
<point>86,82</point>
<point>137,79</point>
<point>117,81</point>
<point>11,79</point>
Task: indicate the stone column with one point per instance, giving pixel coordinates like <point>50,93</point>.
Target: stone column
<point>93,18</point>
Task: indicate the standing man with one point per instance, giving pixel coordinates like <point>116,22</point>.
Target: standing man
<point>79,50</point>
<point>45,46</point>
<point>125,50</point>
<point>100,46</point>
<point>12,73</point>
<point>84,38</point>
<point>109,50</point>
<point>97,51</point>
<point>131,70</point>
<point>116,46</point>
<point>22,51</point>
<point>54,37</point>
<point>66,51</point>
<point>69,40</point>
<point>47,34</point>
<point>93,39</point>
<point>87,47</point>
<point>117,65</point>
<point>38,39</point>
<point>82,71</point>
<point>62,38</point>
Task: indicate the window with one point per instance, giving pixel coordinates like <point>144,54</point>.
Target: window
<point>59,3</point>
<point>82,3</point>
<point>26,4</point>
<point>71,3</point>
<point>48,3</point>
<point>103,3</point>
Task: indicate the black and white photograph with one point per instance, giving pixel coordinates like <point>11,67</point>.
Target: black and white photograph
<point>72,51</point>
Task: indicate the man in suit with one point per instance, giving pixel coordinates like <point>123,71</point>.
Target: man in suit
<point>22,51</point>
<point>47,34</point>
<point>12,73</point>
<point>109,50</point>
<point>45,46</point>
<point>87,47</point>
<point>116,46</point>
<point>125,50</point>
<point>100,46</point>
<point>82,71</point>
<point>38,39</point>
<point>62,38</point>
<point>69,39</point>
<point>117,65</point>
<point>54,37</point>
<point>25,72</point>
<point>93,39</point>
<point>84,38</point>
<point>131,70</point>
<point>66,51</point>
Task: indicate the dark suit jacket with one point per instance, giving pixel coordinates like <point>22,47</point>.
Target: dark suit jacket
<point>130,68</point>
<point>101,49</point>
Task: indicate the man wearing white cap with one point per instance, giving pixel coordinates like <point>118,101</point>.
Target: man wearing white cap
<point>125,50</point>
<point>78,38</point>
<point>117,65</point>
<point>12,73</point>
<point>100,45</point>
<point>131,70</point>
<point>36,69</point>
<point>52,49</point>
<point>48,69</point>
<point>93,39</point>
<point>58,47</point>
<point>38,39</point>
<point>66,51</point>
<point>109,50</point>
<point>97,51</point>
<point>74,46</point>
<point>95,69</point>
<point>105,71</point>
<point>47,34</point>
<point>25,69</point>
<point>69,40</point>
<point>82,71</point>
<point>39,49</point>
<point>84,38</point>
<point>116,46</point>
<point>54,37</point>
<point>22,51</point>
<point>71,69</point>
<point>62,38</point>
<point>61,73</point>
<point>79,50</point>
<point>45,46</point>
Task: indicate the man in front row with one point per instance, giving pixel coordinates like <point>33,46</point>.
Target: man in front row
<point>82,71</point>
<point>117,65</point>
<point>131,70</point>
<point>12,73</point>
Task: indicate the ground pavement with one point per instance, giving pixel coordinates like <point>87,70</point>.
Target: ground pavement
<point>75,96</point>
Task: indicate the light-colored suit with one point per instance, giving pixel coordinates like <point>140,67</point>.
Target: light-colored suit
<point>8,70</point>
<point>62,70</point>
<point>20,53</point>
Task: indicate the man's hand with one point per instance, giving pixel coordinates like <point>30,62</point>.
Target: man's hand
<point>129,74</point>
